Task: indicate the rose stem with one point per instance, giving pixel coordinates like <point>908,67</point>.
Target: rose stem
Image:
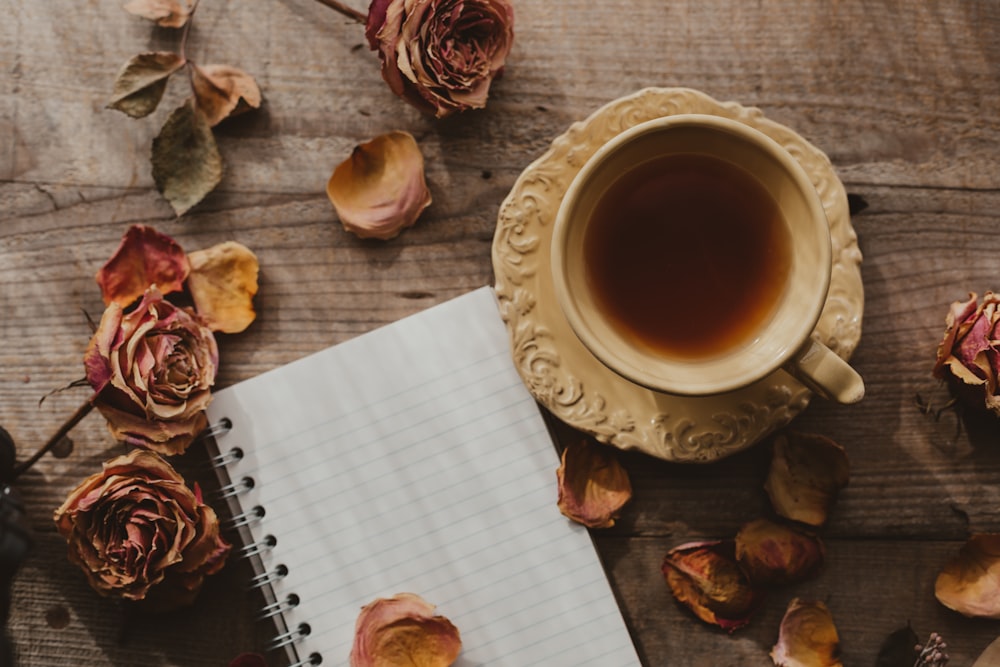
<point>345,10</point>
<point>74,419</point>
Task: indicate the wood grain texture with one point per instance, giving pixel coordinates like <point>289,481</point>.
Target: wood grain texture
<point>902,96</point>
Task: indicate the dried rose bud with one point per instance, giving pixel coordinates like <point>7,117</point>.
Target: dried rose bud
<point>380,189</point>
<point>145,257</point>
<point>403,630</point>
<point>222,283</point>
<point>705,577</point>
<point>970,582</point>
<point>969,354</point>
<point>776,554</point>
<point>807,472</point>
<point>807,638</point>
<point>593,485</point>
<point>441,55</point>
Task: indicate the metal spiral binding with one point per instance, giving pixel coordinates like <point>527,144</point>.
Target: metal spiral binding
<point>224,425</point>
<point>269,578</point>
<point>226,458</point>
<point>234,489</point>
<point>252,515</point>
<point>313,659</point>
<point>257,548</point>
<point>290,637</point>
<point>279,607</point>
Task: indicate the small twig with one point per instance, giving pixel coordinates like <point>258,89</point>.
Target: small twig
<point>74,419</point>
<point>345,10</point>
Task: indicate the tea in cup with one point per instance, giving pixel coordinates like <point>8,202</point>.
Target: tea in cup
<point>691,255</point>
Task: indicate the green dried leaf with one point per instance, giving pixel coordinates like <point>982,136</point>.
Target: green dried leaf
<point>186,161</point>
<point>140,84</point>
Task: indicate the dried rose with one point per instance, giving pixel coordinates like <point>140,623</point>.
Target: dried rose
<point>144,257</point>
<point>807,637</point>
<point>223,282</point>
<point>705,577</point>
<point>970,582</point>
<point>403,630</point>
<point>775,554</point>
<point>807,472</point>
<point>380,189</point>
<point>441,55</point>
<point>593,485</point>
<point>152,370</point>
<point>139,533</point>
<point>969,354</point>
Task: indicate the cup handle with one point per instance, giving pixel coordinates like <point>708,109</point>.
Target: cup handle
<point>821,370</point>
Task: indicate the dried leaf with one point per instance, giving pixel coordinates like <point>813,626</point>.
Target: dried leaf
<point>807,472</point>
<point>705,577</point>
<point>144,257</point>
<point>899,649</point>
<point>223,91</point>
<point>970,582</point>
<point>166,13</point>
<point>380,189</point>
<point>990,657</point>
<point>403,630</point>
<point>186,161</point>
<point>593,485</point>
<point>774,554</point>
<point>807,638</point>
<point>140,84</point>
<point>222,283</point>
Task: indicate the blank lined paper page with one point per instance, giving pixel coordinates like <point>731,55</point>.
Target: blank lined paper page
<point>413,459</point>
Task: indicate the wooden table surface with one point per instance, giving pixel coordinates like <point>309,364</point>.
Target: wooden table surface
<point>902,96</point>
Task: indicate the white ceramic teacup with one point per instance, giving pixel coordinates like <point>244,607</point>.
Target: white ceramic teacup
<point>664,244</point>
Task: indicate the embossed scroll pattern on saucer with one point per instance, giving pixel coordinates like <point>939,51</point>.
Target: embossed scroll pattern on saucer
<point>564,377</point>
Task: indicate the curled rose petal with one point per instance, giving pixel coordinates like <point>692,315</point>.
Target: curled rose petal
<point>166,13</point>
<point>403,630</point>
<point>222,91</point>
<point>774,554</point>
<point>807,637</point>
<point>593,485</point>
<point>970,582</point>
<point>380,189</point>
<point>223,282</point>
<point>144,258</point>
<point>705,577</point>
<point>969,354</point>
<point>139,533</point>
<point>807,472</point>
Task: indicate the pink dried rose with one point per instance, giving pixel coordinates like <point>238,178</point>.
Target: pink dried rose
<point>403,630</point>
<point>380,189</point>
<point>441,55</point>
<point>969,354</point>
<point>152,371</point>
<point>139,533</point>
<point>593,485</point>
<point>706,578</point>
<point>807,637</point>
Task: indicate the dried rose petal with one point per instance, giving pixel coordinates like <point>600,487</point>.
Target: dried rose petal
<point>807,638</point>
<point>593,485</point>
<point>144,257</point>
<point>380,189</point>
<point>166,13</point>
<point>403,630</point>
<point>969,353</point>
<point>705,577</point>
<point>223,91</point>
<point>775,554</point>
<point>807,472</point>
<point>970,582</point>
<point>222,283</point>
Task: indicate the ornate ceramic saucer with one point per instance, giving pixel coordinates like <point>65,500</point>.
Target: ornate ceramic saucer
<point>562,374</point>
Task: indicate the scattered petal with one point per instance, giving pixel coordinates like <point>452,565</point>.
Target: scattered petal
<point>593,485</point>
<point>705,577</point>
<point>166,13</point>
<point>403,630</point>
<point>222,283</point>
<point>807,472</point>
<point>186,161</point>
<point>380,189</point>
<point>140,84</point>
<point>222,91</point>
<point>248,660</point>
<point>774,554</point>
<point>970,582</point>
<point>145,257</point>
<point>807,638</point>
<point>990,657</point>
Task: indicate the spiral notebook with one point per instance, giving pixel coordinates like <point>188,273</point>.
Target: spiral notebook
<point>413,459</point>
